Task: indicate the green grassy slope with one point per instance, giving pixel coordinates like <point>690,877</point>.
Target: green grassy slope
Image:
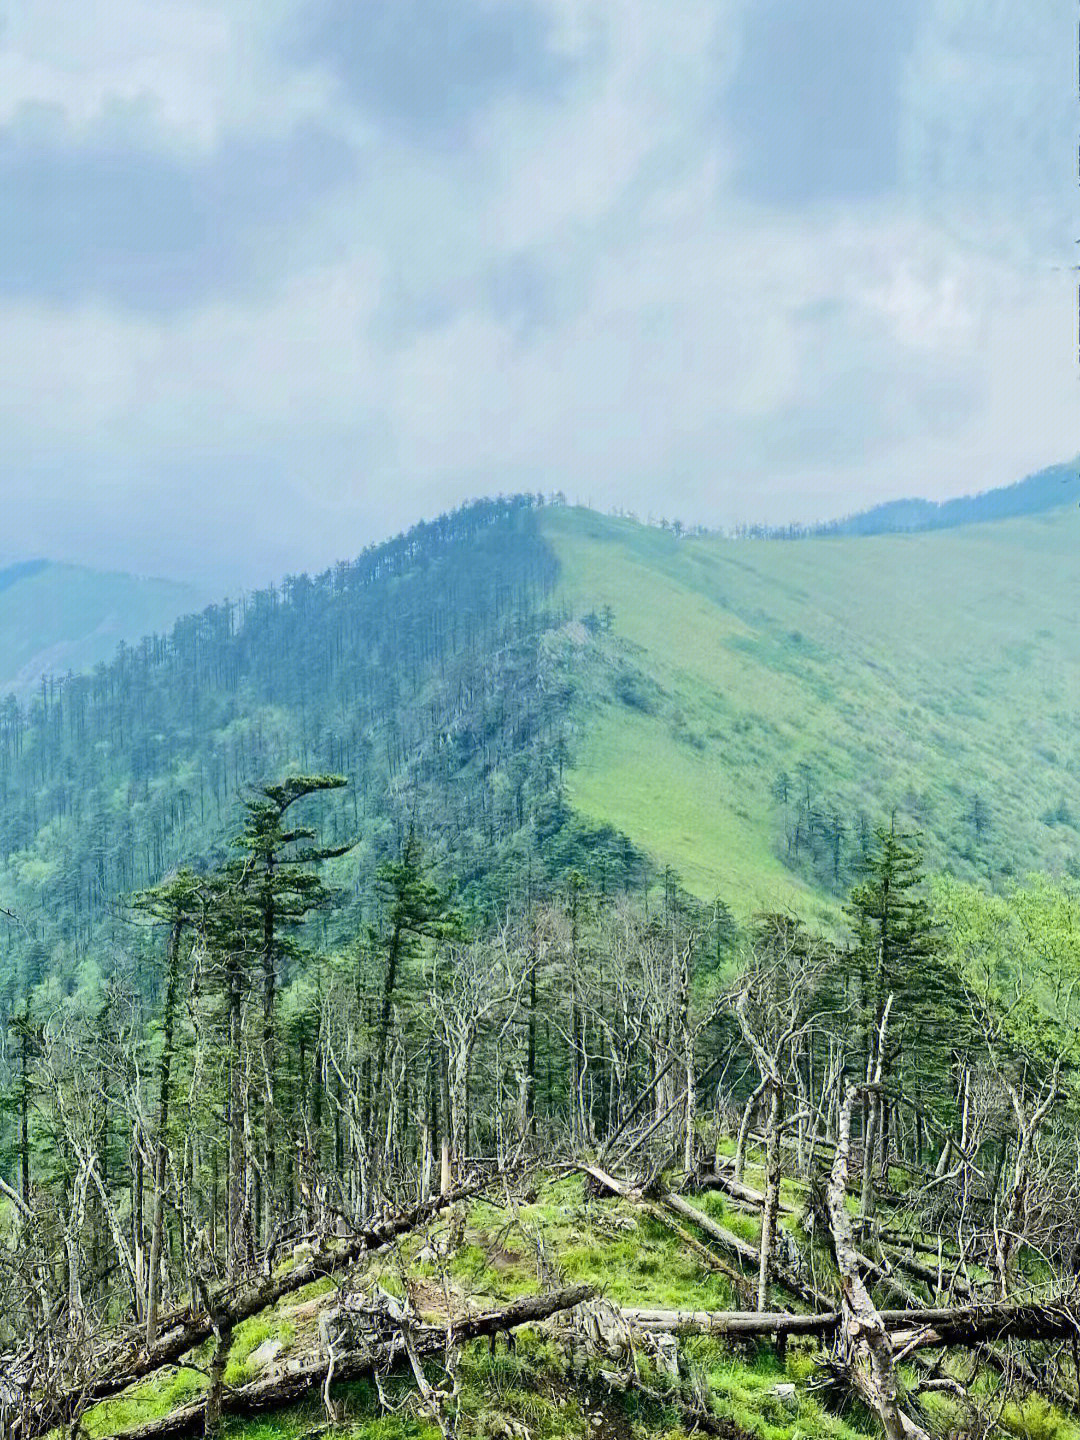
<point>64,617</point>
<point>531,1391</point>
<point>906,671</point>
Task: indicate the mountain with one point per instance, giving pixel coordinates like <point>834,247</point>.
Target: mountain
<point>535,689</point>
<point>55,618</point>
<point>765,703</point>
<point>1047,490</point>
<point>556,724</point>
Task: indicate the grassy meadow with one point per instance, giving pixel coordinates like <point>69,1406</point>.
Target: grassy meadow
<point>904,674</point>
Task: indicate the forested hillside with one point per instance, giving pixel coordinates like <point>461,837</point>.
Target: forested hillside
<point>431,672</point>
<point>502,679</point>
<point>554,928</point>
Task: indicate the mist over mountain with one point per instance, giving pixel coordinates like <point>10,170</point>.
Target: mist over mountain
<point>60,618</point>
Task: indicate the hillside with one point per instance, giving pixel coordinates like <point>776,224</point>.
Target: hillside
<point>56,618</point>
<point>555,1380</point>
<point>418,1042</point>
<point>762,704</point>
<point>512,678</point>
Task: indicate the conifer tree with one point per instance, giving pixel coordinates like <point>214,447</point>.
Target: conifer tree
<point>416,908</point>
<point>278,890</point>
<point>897,953</point>
<point>178,902</point>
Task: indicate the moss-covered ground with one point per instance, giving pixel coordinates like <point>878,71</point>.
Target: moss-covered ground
<point>536,1390</point>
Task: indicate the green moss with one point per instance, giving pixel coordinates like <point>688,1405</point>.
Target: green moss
<point>143,1403</point>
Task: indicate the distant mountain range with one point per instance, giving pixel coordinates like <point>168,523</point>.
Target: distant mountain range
<point>539,690</point>
<point>1034,496</point>
<point>55,618</point>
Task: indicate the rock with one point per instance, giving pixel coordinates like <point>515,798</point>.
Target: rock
<point>604,1329</point>
<point>666,1349</point>
<point>262,1358</point>
<point>785,1393</point>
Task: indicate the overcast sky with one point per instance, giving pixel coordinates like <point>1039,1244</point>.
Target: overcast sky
<point>279,277</point>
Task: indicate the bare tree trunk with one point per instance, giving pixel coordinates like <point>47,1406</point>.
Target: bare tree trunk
<point>234,1123</point>
<point>1007,1234</point>
<point>866,1204</point>
<point>772,1192</point>
<point>268,1060</point>
<point>686,1045</point>
<point>870,1349</point>
<point>744,1129</point>
<point>213,1412</point>
<point>153,1279</point>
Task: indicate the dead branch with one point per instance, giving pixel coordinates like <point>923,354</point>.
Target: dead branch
<point>278,1391</point>
<point>131,1360</point>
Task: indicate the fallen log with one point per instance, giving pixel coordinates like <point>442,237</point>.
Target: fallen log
<point>970,1325</point>
<point>131,1360</point>
<point>735,1245</point>
<point>663,1217</point>
<point>961,1325</point>
<point>746,1252</point>
<point>928,1274</point>
<point>754,1200</point>
<point>738,1191</point>
<point>279,1391</point>
<point>739,1247</point>
<point>732,1322</point>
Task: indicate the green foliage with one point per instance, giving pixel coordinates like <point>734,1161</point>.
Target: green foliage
<point>1019,955</point>
<point>897,952</point>
<point>1034,1419</point>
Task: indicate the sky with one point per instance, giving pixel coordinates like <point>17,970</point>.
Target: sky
<point>281,277</point>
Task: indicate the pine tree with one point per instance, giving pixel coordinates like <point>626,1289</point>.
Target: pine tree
<point>898,953</point>
<point>278,891</point>
<point>416,908</point>
<point>178,903</point>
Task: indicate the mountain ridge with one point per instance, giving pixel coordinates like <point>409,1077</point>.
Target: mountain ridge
<point>538,689</point>
<point>1034,495</point>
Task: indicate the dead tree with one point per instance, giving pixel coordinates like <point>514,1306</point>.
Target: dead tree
<point>865,1341</point>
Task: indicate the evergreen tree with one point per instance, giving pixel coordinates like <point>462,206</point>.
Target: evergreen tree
<point>278,890</point>
<point>178,903</point>
<point>416,909</point>
<point>897,952</point>
<point>895,944</point>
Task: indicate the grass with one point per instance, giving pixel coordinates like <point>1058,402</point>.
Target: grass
<point>534,1392</point>
<point>903,671</point>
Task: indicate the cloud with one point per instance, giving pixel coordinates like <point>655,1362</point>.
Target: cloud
<point>426,68</point>
<point>630,251</point>
<point>815,106</point>
<point>103,216</point>
<point>202,69</point>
